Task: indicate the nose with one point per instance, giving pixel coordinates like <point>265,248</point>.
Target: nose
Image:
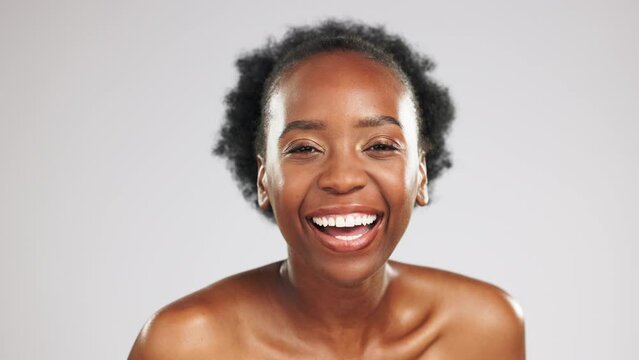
<point>342,174</point>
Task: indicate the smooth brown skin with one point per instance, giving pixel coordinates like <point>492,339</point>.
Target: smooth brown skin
<point>319,304</point>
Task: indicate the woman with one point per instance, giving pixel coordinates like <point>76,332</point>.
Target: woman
<point>334,132</point>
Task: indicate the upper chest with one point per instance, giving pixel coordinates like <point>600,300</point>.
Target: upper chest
<point>409,334</point>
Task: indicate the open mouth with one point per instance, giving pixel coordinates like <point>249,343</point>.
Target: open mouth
<point>347,232</point>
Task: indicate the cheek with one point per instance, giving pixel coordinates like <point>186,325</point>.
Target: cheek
<point>290,188</point>
<point>399,187</point>
<point>287,201</point>
<point>397,180</point>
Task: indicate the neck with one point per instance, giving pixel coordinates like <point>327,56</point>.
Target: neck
<point>342,310</point>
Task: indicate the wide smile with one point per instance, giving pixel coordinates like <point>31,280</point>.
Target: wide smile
<point>346,232</point>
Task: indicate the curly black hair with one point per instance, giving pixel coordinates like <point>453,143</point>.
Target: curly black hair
<point>242,134</point>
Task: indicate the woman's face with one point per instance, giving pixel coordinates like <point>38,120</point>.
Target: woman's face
<point>342,169</point>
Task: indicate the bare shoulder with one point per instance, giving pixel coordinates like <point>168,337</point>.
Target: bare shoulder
<point>479,319</point>
<point>205,323</point>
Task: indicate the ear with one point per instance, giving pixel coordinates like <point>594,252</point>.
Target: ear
<point>422,186</point>
<point>262,195</point>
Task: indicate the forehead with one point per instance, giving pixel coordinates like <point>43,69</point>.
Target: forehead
<point>340,81</point>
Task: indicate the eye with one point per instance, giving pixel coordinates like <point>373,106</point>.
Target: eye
<point>302,149</point>
<point>383,147</point>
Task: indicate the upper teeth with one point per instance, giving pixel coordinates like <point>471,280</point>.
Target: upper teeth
<point>344,220</point>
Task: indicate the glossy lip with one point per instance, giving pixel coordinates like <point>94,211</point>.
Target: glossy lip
<point>346,246</point>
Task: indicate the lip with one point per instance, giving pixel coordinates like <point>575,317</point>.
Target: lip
<point>345,246</point>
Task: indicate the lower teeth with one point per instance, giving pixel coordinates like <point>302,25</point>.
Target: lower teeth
<point>348,238</point>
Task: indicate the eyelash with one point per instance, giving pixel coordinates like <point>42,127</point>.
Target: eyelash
<point>385,147</point>
<point>302,149</point>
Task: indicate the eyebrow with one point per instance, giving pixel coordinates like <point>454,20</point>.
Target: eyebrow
<point>375,121</point>
<point>303,125</point>
<point>372,121</point>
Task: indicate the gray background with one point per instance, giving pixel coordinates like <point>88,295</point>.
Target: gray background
<point>111,206</point>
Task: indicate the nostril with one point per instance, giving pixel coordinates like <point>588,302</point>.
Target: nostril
<point>342,190</point>
<point>343,179</point>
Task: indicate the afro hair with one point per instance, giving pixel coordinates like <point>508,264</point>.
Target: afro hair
<point>242,134</point>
